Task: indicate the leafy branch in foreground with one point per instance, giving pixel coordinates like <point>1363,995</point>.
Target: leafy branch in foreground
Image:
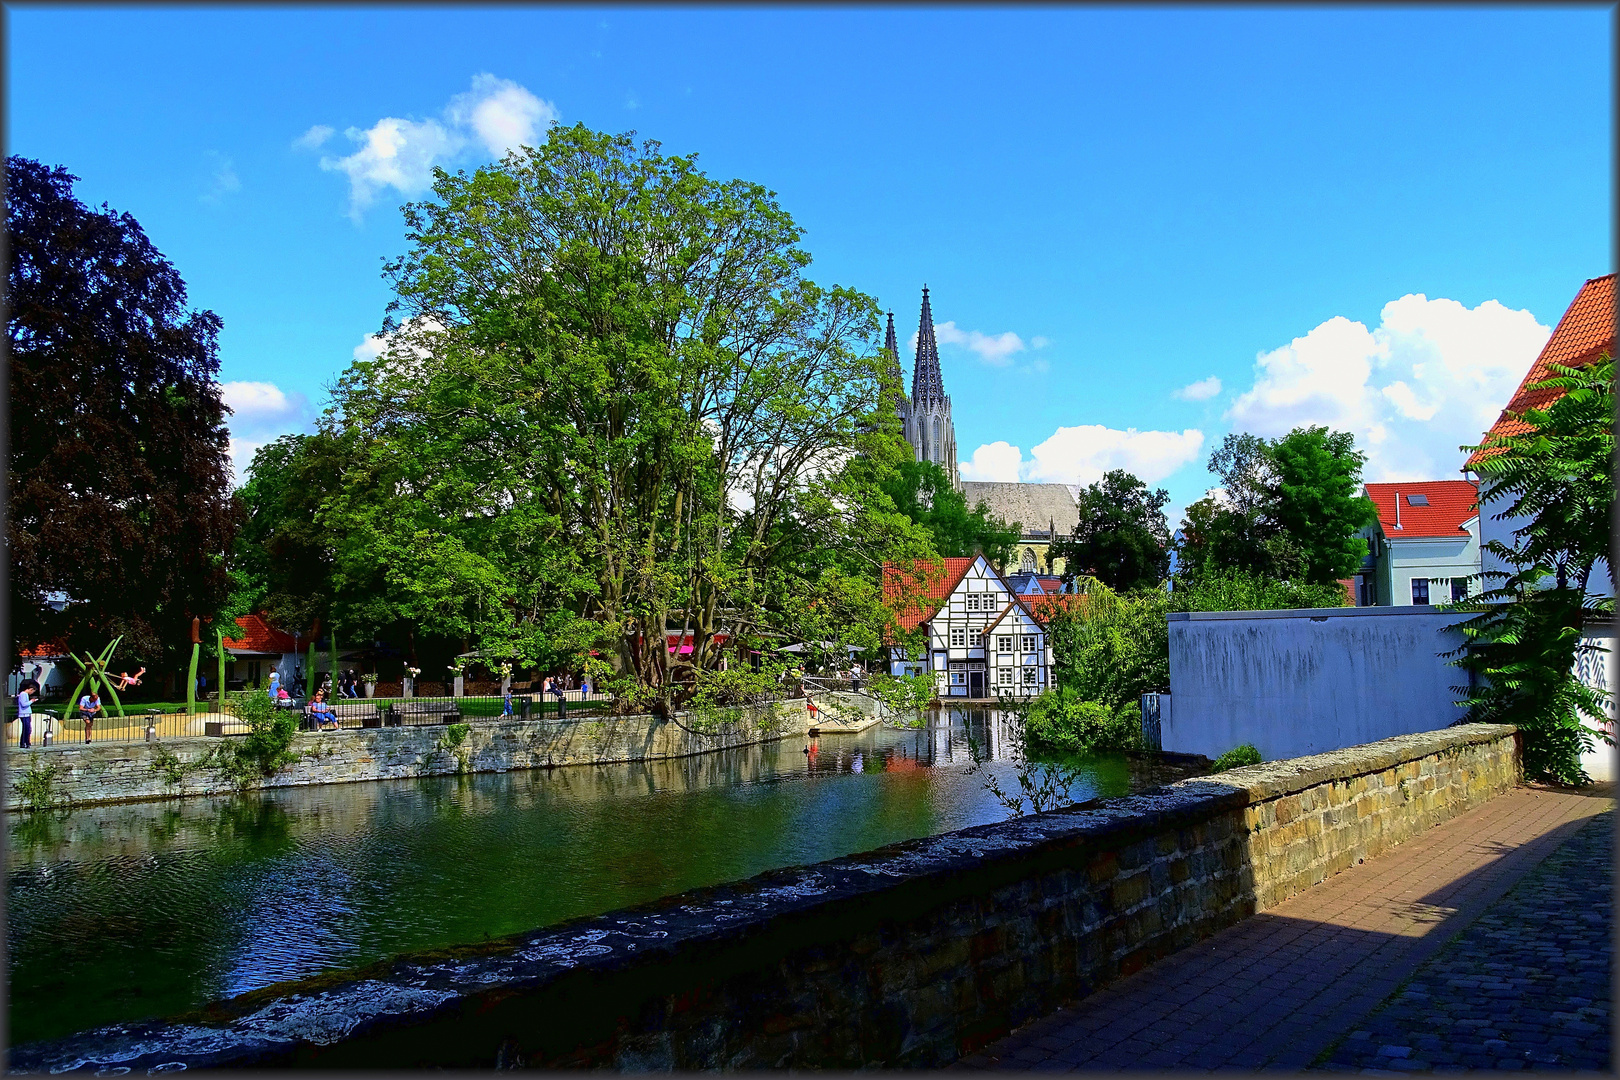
<point>1524,639</point>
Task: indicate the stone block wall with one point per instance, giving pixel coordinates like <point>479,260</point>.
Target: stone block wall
<point>912,955</point>
<point>115,772</point>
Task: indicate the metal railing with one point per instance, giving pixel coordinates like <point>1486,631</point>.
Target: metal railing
<point>55,725</point>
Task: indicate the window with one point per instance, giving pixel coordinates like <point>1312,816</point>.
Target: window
<point>958,678</point>
<point>1417,500</point>
<point>1031,675</point>
<point>1420,590</point>
<point>1027,566</point>
<point>1029,642</point>
<point>975,639</point>
<point>1004,676</point>
<point>958,637</point>
<point>973,601</point>
<point>1459,589</point>
<point>1004,643</point>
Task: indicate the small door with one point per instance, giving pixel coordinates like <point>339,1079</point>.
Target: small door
<point>975,684</point>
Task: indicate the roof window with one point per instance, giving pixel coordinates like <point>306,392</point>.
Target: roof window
<point>1417,500</point>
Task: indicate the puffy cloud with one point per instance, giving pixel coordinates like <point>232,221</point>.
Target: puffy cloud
<point>1432,376</point>
<point>501,113</point>
<point>994,349</point>
<point>260,411</point>
<point>402,154</point>
<point>313,139</point>
<point>1202,390</point>
<point>1080,455</point>
<point>261,404</point>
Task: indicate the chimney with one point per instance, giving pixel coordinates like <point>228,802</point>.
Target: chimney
<point>1397,508</point>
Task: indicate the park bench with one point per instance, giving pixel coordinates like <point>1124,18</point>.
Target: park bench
<point>431,712</point>
<point>350,714</point>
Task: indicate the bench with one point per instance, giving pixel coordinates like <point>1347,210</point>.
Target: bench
<point>349,713</point>
<point>433,712</point>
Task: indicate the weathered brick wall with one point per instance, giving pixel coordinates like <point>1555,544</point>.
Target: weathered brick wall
<point>911,955</point>
<point>114,772</point>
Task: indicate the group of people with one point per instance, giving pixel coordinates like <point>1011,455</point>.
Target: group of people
<point>90,707</point>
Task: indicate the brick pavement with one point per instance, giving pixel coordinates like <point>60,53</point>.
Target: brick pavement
<point>1280,988</point>
<point>1527,985</point>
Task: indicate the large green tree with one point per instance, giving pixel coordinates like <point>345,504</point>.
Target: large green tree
<point>118,479</point>
<point>613,406</point>
<point>1524,633</point>
<point>1122,538</point>
<point>922,491</point>
<point>1289,509</point>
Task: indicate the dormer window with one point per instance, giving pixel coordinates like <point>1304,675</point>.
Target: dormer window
<point>1417,500</point>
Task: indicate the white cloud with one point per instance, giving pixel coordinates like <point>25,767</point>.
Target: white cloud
<point>1202,390</point>
<point>501,113</point>
<point>257,405</point>
<point>1431,377</point>
<point>260,412</point>
<point>313,138</point>
<point>223,180</point>
<point>1080,455</point>
<point>994,349</point>
<point>402,154</point>
<point>1038,342</point>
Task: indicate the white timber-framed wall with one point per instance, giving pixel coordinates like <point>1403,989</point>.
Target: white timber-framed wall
<point>963,662</point>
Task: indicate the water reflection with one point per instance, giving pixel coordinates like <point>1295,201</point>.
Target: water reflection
<point>123,912</point>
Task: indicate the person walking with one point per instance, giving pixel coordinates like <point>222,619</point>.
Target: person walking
<point>89,710</point>
<point>26,694</point>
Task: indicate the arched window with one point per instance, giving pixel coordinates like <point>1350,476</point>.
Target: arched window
<point>1028,565</point>
<point>937,455</point>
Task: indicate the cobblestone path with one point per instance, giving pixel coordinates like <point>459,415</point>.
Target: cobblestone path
<point>1526,986</point>
<point>1281,989</point>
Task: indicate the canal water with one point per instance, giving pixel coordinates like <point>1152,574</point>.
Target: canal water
<point>124,912</point>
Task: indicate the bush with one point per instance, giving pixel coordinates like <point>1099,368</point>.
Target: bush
<point>1114,648</point>
<point>1061,719</point>
<point>1236,758</point>
<point>1241,590</point>
<point>268,744</point>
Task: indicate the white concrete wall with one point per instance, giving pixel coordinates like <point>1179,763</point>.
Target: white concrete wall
<point>1293,683</point>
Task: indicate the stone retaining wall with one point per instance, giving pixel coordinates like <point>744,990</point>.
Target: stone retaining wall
<point>911,955</point>
<point>115,772</point>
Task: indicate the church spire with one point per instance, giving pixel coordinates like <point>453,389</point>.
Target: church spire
<point>892,347</point>
<point>926,382</point>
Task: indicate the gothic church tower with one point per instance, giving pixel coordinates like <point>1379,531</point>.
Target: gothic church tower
<point>927,415</point>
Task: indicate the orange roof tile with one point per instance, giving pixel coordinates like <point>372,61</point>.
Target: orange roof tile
<point>1042,608</point>
<point>260,636</point>
<point>1584,333</point>
<point>1451,502</point>
<point>922,583</point>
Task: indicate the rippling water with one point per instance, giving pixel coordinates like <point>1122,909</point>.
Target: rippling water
<point>124,912</point>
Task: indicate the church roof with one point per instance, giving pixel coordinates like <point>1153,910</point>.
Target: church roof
<point>1032,506</point>
<point>927,384</point>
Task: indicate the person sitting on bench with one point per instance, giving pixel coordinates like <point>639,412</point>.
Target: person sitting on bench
<point>321,715</point>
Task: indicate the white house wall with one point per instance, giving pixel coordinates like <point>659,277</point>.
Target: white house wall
<point>974,603</point>
<point>1438,559</point>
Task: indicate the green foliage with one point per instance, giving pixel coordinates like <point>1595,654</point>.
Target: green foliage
<point>455,735</point>
<point>905,696</point>
<point>610,404</point>
<point>1236,758</point>
<point>1112,648</point>
<point>1243,590</point>
<point>1524,632</point>
<point>1060,719</point>
<point>1290,510</point>
<point>723,699</point>
<point>267,746</point>
<point>921,491</point>
<point>37,786</point>
<point>1122,538</point>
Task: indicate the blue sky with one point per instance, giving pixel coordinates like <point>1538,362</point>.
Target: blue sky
<point>1142,227</point>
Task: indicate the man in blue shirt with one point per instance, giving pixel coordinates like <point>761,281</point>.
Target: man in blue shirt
<point>25,710</point>
<point>90,708</point>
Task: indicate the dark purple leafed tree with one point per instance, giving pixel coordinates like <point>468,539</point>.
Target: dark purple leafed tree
<point>119,486</point>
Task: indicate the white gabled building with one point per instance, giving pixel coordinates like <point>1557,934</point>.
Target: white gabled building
<point>981,639</point>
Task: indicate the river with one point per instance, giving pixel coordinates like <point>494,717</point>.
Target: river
<point>124,912</point>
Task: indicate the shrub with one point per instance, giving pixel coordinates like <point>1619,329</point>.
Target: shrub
<point>1061,719</point>
<point>1114,648</point>
<point>1236,758</point>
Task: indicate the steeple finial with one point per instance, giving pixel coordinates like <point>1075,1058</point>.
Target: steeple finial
<point>926,382</point>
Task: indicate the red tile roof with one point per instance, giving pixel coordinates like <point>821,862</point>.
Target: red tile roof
<point>1451,502</point>
<point>902,589</point>
<point>44,652</point>
<point>1585,332</point>
<point>1050,584</point>
<point>260,636</point>
<point>1042,608</point>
